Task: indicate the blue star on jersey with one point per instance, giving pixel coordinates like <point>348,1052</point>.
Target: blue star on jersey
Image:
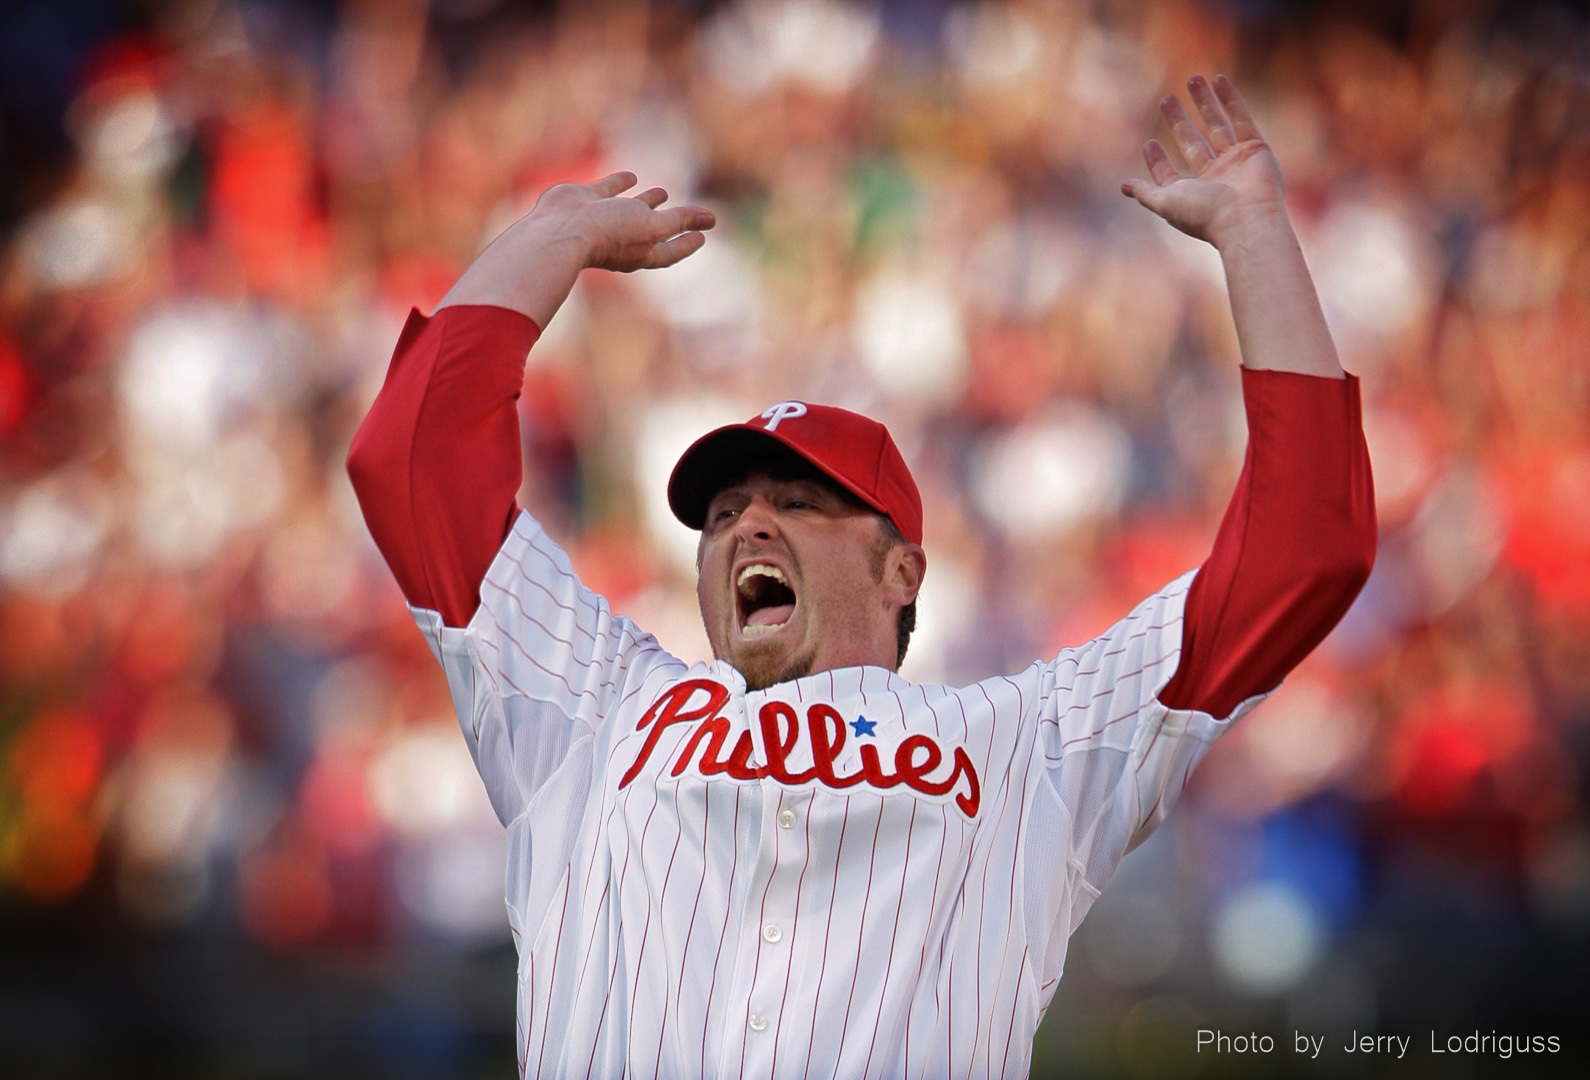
<point>862,726</point>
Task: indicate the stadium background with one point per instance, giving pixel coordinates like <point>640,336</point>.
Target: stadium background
<point>239,834</point>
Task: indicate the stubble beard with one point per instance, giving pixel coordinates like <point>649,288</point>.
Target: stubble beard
<point>767,667</point>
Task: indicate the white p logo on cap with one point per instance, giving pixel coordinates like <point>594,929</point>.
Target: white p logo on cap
<point>784,410</point>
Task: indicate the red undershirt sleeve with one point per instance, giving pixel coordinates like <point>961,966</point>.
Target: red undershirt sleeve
<point>436,463</point>
<point>1295,546</point>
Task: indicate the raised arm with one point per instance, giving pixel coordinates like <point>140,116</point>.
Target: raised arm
<point>532,266</point>
<point>1235,200</point>
<point>1298,539</point>
<point>436,462</point>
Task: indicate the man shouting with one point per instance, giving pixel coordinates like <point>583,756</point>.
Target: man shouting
<point>791,861</point>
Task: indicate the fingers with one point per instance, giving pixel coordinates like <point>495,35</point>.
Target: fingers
<point>671,251</point>
<point>1150,195</point>
<point>678,219</point>
<point>680,230</point>
<point>1222,135</point>
<point>611,185</point>
<point>1241,118</point>
<point>1160,167</point>
<point>1189,140</point>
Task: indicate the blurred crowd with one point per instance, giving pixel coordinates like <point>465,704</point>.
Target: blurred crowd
<point>215,711</point>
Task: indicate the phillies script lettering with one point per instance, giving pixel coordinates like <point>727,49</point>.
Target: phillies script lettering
<point>699,701</point>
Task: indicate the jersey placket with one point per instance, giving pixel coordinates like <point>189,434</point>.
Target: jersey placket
<point>750,1023</point>
<point>779,924</point>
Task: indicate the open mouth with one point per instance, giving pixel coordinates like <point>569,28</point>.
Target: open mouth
<point>765,599</point>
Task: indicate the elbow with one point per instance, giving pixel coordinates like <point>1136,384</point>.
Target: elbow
<point>1343,568</point>
<point>1365,564</point>
<point>379,484</point>
<point>1345,539</point>
<point>1351,576</point>
<point>372,467</point>
<point>363,472</point>
<point>1362,540</point>
<point>1357,554</point>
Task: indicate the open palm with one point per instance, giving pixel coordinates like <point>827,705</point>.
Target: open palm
<point>627,234</point>
<point>1234,173</point>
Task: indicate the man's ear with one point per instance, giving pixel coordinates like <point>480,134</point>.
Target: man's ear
<point>906,568</point>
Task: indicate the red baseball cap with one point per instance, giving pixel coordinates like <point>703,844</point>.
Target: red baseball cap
<point>854,451</point>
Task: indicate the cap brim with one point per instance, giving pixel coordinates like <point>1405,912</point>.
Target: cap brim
<point>725,456</point>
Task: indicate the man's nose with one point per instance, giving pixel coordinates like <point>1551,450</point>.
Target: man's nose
<point>758,521</point>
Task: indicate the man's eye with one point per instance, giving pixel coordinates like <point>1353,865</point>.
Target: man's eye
<point>798,504</point>
<point>723,515</point>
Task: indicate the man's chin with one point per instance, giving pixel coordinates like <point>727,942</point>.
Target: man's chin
<point>764,667</point>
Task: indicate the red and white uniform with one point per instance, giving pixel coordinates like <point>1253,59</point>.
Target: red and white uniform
<point>848,874</point>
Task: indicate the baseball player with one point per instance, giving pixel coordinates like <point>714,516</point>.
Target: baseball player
<point>791,861</point>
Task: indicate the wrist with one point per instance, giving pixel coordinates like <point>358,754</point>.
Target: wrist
<point>556,240</point>
<point>530,269</point>
<point>1254,228</point>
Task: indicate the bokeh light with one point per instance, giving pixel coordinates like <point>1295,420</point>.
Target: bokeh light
<point>1265,938</point>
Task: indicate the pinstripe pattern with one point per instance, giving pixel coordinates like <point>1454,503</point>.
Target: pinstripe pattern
<point>670,924</point>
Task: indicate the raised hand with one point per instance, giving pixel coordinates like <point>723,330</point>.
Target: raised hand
<point>532,266</point>
<point>1236,178</point>
<point>626,234</point>
<point>1234,200</point>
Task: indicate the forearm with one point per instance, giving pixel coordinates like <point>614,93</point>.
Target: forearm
<point>1280,326</point>
<point>530,268</point>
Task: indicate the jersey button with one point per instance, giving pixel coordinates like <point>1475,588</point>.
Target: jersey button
<point>786,819</point>
<point>757,1022</point>
<point>772,933</point>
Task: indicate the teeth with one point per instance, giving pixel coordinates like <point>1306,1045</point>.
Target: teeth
<point>761,568</point>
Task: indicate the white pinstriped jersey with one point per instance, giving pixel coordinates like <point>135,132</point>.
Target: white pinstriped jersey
<point>845,875</point>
